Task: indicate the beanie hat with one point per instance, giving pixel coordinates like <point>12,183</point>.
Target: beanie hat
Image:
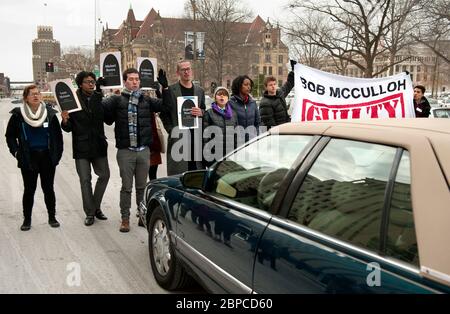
<point>219,89</point>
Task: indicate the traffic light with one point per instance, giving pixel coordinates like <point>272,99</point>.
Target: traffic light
<point>49,67</point>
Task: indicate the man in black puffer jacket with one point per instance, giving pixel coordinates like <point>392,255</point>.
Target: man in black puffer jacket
<point>131,113</point>
<point>273,108</point>
<point>89,144</point>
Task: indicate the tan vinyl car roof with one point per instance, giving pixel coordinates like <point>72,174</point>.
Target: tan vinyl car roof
<point>428,142</point>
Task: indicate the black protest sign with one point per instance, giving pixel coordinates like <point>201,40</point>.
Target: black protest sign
<point>65,96</point>
<point>111,70</point>
<point>187,120</point>
<point>147,73</point>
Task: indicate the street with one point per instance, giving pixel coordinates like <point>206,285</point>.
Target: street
<point>73,258</point>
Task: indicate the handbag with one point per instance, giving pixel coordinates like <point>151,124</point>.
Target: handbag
<point>162,133</point>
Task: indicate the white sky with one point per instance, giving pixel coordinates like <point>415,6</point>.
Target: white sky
<point>73,23</point>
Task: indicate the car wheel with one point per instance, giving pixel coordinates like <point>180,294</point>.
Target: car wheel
<point>167,270</point>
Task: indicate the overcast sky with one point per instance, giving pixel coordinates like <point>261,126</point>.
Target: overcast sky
<point>73,24</point>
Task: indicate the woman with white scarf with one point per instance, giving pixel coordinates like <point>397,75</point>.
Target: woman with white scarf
<point>34,138</point>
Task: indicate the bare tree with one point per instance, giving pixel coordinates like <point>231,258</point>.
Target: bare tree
<point>218,18</point>
<point>356,30</point>
<point>434,27</point>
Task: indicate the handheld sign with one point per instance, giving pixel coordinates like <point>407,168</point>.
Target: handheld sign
<point>111,70</point>
<point>65,95</point>
<point>322,96</point>
<point>185,119</point>
<point>147,72</point>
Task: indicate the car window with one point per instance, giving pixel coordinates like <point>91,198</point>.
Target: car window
<point>343,193</point>
<point>401,241</point>
<point>252,175</point>
<point>441,113</point>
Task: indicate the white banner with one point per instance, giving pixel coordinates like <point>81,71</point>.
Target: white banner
<point>324,96</point>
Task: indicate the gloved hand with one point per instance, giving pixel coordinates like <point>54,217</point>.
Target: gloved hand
<point>100,82</point>
<point>293,63</point>
<point>162,79</point>
<point>157,89</point>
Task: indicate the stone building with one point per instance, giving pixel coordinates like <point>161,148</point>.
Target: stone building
<point>45,49</point>
<point>260,50</point>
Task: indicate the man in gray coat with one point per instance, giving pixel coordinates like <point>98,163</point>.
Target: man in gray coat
<point>192,157</point>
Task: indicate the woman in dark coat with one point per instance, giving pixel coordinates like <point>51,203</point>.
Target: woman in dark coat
<point>34,138</point>
<point>225,120</point>
<point>245,106</point>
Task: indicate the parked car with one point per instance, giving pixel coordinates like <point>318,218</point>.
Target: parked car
<point>323,207</point>
<point>440,112</point>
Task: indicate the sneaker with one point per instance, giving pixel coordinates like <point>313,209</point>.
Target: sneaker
<point>125,226</point>
<point>26,225</point>
<point>53,222</point>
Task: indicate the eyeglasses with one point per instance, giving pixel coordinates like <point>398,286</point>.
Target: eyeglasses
<point>185,70</point>
<point>34,94</point>
<point>89,82</point>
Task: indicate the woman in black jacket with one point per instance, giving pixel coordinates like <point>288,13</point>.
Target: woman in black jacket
<point>34,138</point>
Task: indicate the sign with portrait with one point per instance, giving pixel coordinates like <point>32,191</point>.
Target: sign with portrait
<point>185,119</point>
<point>65,95</point>
<point>111,69</point>
<point>147,72</point>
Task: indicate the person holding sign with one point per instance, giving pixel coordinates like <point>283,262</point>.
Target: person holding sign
<point>273,106</point>
<point>245,106</point>
<point>89,144</point>
<point>35,139</point>
<point>186,92</point>
<point>131,114</point>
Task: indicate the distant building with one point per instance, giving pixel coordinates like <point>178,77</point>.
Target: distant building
<point>424,66</point>
<point>45,49</point>
<point>5,88</point>
<point>260,50</point>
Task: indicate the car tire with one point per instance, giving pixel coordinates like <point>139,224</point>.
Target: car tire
<point>167,270</point>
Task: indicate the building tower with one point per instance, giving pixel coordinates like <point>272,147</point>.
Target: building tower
<point>45,49</point>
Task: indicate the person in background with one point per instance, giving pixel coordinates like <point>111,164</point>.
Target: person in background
<point>220,115</point>
<point>422,107</point>
<point>89,145</point>
<point>35,139</point>
<point>273,107</point>
<point>245,106</point>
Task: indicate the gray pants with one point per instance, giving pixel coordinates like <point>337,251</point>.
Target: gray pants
<point>92,201</point>
<point>132,165</point>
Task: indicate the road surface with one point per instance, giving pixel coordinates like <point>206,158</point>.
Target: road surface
<point>73,258</point>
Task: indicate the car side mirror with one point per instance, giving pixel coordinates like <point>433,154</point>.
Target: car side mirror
<point>194,179</point>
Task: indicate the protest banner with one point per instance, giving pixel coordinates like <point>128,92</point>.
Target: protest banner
<point>147,72</point>
<point>65,95</point>
<point>185,119</point>
<point>111,69</point>
<point>324,96</point>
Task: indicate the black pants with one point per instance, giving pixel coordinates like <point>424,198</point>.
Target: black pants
<point>42,166</point>
<point>152,172</point>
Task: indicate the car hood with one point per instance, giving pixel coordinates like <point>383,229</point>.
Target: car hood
<point>171,182</point>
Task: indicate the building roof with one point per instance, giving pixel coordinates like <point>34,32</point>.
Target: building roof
<point>174,28</point>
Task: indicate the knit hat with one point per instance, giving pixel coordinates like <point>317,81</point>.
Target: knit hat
<point>219,89</point>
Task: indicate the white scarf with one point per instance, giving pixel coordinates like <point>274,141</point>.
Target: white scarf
<point>35,120</point>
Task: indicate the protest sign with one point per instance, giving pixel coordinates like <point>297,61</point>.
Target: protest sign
<point>65,95</point>
<point>111,69</point>
<point>325,96</point>
<point>147,72</point>
<point>185,119</point>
